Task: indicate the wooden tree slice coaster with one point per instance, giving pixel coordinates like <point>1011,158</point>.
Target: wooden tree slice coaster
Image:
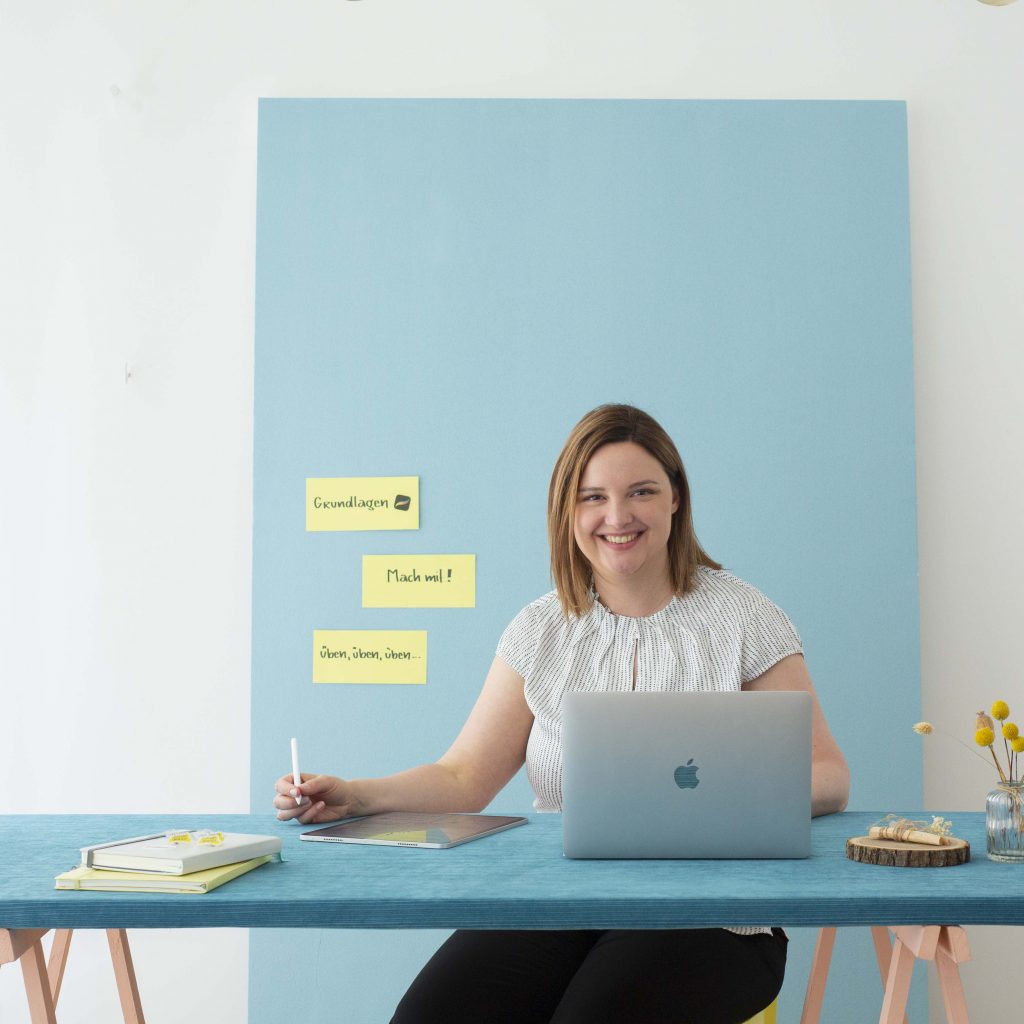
<point>892,854</point>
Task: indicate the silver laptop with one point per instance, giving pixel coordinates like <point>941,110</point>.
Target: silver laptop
<point>687,775</point>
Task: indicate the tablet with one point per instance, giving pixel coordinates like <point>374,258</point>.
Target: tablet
<point>433,831</point>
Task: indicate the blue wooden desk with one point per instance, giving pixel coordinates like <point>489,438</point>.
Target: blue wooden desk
<point>516,879</point>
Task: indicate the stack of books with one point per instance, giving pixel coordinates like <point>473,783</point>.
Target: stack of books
<point>177,862</point>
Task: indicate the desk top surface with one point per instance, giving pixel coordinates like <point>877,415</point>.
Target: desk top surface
<point>514,879</point>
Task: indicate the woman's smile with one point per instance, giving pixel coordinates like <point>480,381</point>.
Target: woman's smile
<point>621,541</point>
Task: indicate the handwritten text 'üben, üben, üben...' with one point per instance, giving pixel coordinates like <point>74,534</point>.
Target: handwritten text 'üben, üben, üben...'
<point>369,656</point>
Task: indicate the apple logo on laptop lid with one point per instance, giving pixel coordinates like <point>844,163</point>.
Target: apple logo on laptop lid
<point>686,775</point>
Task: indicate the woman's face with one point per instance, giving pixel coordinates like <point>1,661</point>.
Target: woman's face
<point>624,512</point>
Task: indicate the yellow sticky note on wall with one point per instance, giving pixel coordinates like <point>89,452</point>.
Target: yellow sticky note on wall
<point>369,656</point>
<point>419,581</point>
<point>363,503</point>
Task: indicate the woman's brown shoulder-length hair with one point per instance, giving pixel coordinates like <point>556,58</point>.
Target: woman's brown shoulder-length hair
<point>609,424</point>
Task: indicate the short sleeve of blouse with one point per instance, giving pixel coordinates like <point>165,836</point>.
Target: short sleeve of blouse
<point>518,644</point>
<point>768,637</point>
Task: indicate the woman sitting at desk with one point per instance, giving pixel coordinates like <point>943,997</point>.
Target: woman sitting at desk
<point>630,576</point>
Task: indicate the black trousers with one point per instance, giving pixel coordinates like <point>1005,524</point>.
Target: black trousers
<point>688,976</point>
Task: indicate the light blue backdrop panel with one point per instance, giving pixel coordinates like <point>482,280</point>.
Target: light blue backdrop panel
<point>445,286</point>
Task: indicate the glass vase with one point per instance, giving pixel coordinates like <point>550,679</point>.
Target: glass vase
<point>1004,823</point>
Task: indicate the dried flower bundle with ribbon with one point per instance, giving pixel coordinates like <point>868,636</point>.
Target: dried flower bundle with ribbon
<point>906,830</point>
<point>898,842</point>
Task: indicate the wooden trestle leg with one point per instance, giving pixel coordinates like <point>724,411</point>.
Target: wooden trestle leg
<point>945,944</point>
<point>42,982</point>
<point>953,950</point>
<point>58,961</point>
<point>815,996</point>
<point>124,972</point>
<point>883,954</point>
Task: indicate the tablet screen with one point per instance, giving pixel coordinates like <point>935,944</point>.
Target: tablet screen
<point>414,828</point>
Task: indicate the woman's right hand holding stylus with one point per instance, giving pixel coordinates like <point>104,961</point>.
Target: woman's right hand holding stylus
<point>325,798</point>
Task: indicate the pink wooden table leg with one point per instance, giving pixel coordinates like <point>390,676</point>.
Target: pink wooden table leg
<point>26,945</point>
<point>909,943</point>
<point>815,996</point>
<point>37,985</point>
<point>124,971</point>
<point>953,949</point>
<point>883,954</point>
<point>58,961</point>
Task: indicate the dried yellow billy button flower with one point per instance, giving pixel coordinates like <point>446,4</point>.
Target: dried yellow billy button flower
<point>985,734</point>
<point>1000,710</point>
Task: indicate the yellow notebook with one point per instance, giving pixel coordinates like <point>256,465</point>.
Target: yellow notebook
<point>141,881</point>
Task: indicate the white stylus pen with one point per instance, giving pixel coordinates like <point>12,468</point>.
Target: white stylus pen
<point>296,774</point>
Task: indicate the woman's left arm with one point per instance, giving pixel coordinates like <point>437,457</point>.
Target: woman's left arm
<point>830,774</point>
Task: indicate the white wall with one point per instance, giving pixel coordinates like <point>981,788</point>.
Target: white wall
<point>127,208</point>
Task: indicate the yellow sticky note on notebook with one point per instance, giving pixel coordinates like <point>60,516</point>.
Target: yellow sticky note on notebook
<point>363,503</point>
<point>419,581</point>
<point>369,656</point>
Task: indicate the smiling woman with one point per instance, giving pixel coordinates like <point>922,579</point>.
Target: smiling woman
<point>638,605</point>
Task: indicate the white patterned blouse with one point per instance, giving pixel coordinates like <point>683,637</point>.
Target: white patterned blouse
<point>721,634</point>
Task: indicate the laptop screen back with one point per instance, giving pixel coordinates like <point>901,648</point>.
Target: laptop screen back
<point>686,775</point>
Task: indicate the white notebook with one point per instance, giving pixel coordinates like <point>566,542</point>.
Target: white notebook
<point>178,853</point>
